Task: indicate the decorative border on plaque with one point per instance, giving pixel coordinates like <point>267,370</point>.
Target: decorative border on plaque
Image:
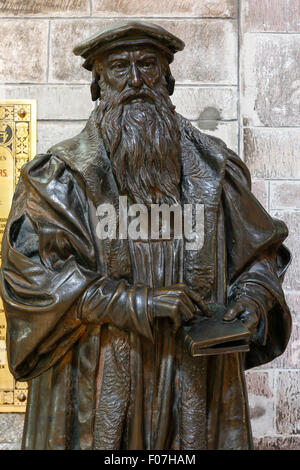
<point>17,146</point>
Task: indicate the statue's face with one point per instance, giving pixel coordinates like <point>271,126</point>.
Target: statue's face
<point>137,122</point>
<point>132,68</point>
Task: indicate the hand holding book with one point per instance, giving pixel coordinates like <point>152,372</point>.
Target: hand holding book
<point>221,333</point>
<point>247,310</point>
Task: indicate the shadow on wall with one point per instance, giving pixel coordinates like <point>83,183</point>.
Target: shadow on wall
<point>208,119</point>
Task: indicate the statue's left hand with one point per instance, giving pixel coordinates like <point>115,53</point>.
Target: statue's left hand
<point>247,311</point>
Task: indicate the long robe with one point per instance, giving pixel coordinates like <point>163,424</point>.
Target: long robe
<point>101,374</point>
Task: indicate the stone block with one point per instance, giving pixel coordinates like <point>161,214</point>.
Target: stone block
<point>261,403</point>
<point>202,61</point>
<point>206,103</point>
<point>11,427</point>
<point>54,102</point>
<point>144,8</point>
<point>293,16</point>
<point>272,153</point>
<point>9,8</point>
<point>277,443</point>
<point>226,131</point>
<point>270,80</point>
<point>206,107</point>
<point>288,402</point>
<point>264,15</point>
<point>260,383</point>
<point>285,195</point>
<point>270,15</point>
<point>292,220</point>
<point>65,34</point>
<point>10,446</point>
<point>50,133</point>
<point>23,58</point>
<point>210,55</point>
<point>293,301</point>
<point>290,359</point>
<point>260,191</point>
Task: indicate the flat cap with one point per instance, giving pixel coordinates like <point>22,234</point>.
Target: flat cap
<point>128,33</point>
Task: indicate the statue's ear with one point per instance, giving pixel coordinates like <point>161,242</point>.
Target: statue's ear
<point>170,81</point>
<point>95,88</point>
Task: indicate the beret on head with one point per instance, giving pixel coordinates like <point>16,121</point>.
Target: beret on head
<point>128,34</point>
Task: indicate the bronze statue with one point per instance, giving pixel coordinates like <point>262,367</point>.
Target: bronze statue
<point>95,324</point>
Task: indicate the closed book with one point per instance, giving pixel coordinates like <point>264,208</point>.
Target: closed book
<point>205,336</point>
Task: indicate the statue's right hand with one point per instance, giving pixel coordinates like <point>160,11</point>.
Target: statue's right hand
<point>173,302</point>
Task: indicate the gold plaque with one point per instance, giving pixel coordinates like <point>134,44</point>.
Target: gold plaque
<point>17,146</point>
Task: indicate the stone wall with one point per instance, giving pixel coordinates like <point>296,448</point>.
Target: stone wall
<point>237,79</point>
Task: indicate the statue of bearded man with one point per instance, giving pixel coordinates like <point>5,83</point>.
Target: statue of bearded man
<point>94,323</point>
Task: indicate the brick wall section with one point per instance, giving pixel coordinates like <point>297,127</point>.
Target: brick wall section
<point>237,79</point>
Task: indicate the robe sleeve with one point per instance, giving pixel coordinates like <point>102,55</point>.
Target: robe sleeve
<point>256,262</point>
<point>49,272</point>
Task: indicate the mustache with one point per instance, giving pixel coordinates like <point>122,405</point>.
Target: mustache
<point>144,92</point>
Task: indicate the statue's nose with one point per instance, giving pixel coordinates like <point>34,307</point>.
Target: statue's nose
<point>135,78</point>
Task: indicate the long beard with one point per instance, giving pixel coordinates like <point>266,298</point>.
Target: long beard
<point>143,142</point>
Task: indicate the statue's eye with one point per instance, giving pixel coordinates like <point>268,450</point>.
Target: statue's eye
<point>120,65</point>
<point>146,64</point>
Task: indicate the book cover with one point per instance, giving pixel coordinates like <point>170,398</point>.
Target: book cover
<point>212,335</point>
